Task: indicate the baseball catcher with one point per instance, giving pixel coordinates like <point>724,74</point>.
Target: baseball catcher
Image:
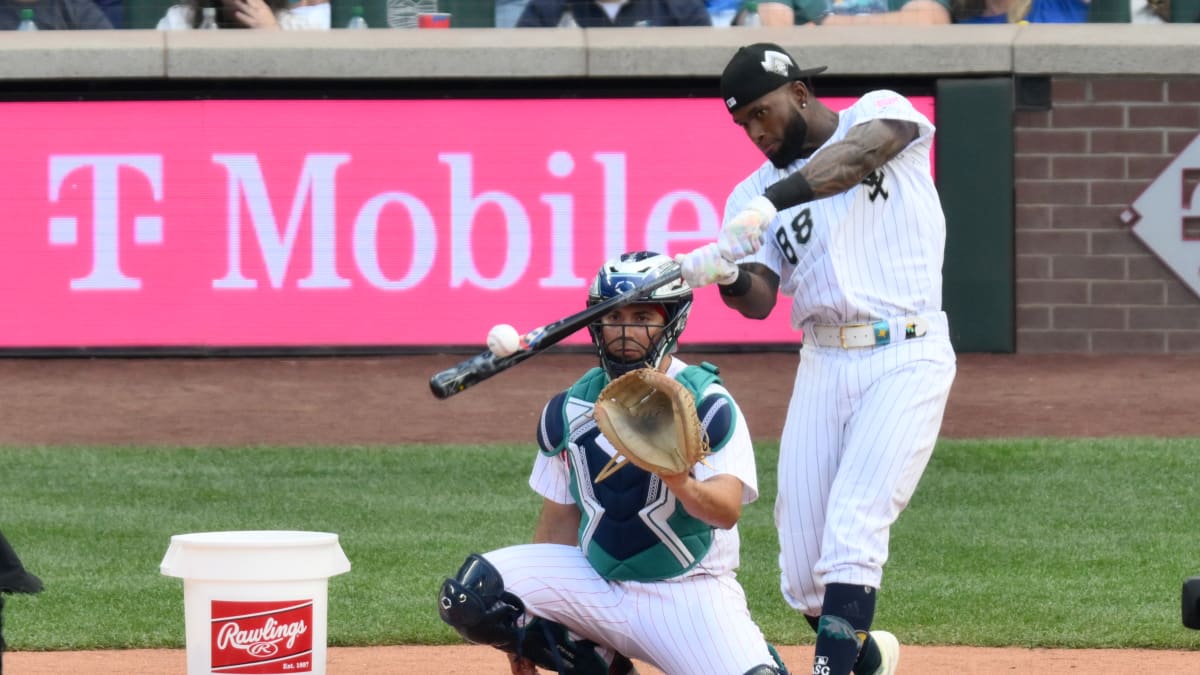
<point>628,562</point>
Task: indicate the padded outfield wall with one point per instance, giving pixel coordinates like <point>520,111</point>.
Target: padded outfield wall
<point>404,190</point>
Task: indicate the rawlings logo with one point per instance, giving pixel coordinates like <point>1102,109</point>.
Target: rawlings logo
<point>260,641</point>
<point>267,637</point>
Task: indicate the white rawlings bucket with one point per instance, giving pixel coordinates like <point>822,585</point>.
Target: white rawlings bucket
<point>255,601</point>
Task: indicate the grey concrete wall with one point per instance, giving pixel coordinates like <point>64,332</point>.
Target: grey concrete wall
<point>1059,49</point>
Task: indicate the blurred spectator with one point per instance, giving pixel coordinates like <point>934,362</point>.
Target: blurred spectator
<point>853,12</point>
<point>114,10</point>
<point>1150,11</point>
<point>603,14</point>
<point>54,14</point>
<point>1021,11</point>
<point>274,14</point>
<point>508,12</point>
<point>723,12</point>
<point>1144,11</point>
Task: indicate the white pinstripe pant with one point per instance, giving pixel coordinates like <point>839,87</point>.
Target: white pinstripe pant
<point>860,429</point>
<point>696,624</point>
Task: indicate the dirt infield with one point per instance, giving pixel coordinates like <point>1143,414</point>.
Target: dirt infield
<point>381,400</point>
<point>386,400</point>
<point>474,660</point>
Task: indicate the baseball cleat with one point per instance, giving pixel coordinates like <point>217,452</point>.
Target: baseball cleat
<point>889,652</point>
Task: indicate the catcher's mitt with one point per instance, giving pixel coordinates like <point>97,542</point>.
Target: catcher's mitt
<point>650,418</point>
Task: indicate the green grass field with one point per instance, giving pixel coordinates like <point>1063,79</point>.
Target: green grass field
<point>1051,543</point>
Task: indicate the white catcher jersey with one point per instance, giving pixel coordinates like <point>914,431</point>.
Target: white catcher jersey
<point>869,253</point>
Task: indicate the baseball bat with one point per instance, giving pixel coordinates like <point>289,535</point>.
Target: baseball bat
<point>480,367</point>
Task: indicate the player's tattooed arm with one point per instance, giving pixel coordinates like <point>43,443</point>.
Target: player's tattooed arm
<point>866,147</point>
<point>754,292</point>
<point>842,165</point>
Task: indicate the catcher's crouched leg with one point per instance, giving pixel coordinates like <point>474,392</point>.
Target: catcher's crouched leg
<point>475,604</point>
<point>776,668</point>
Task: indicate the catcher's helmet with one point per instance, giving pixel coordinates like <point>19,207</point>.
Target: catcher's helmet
<point>629,271</point>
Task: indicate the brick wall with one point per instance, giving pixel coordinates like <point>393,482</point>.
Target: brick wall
<point>1085,283</point>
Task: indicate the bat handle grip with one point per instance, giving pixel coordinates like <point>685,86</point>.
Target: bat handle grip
<point>457,378</point>
<point>446,383</point>
<point>471,372</point>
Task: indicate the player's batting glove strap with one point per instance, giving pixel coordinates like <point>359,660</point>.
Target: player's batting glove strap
<point>705,266</point>
<point>743,234</point>
<point>650,418</point>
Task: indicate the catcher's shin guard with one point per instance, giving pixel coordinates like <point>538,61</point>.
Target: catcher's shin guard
<point>475,604</point>
<point>550,645</point>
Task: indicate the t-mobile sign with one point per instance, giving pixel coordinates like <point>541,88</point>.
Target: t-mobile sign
<point>350,223</point>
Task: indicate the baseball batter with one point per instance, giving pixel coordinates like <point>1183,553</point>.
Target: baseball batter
<point>636,565</point>
<point>844,219</point>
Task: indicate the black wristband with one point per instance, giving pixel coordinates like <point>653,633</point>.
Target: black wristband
<point>789,192</point>
<point>740,286</point>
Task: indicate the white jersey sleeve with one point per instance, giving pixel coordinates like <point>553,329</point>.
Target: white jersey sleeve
<point>888,105</point>
<point>551,478</point>
<point>736,458</point>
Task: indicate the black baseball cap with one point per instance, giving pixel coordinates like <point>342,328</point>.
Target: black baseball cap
<point>757,69</point>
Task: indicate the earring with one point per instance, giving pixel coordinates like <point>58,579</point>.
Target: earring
<point>804,105</point>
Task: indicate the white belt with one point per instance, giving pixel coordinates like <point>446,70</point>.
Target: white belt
<point>857,335</point>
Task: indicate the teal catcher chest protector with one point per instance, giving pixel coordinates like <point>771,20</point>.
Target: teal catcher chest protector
<point>631,527</point>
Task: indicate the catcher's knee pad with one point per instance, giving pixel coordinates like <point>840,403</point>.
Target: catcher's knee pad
<point>475,604</point>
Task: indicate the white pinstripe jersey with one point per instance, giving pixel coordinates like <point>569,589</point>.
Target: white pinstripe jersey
<point>870,253</point>
<point>551,477</point>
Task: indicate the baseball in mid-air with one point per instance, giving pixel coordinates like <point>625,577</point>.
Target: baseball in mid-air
<point>503,340</point>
